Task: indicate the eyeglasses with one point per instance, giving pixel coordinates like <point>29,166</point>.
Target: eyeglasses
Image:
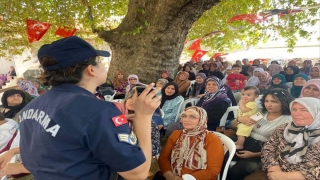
<point>189,117</point>
<point>132,79</point>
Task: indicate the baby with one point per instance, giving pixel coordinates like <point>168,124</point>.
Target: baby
<point>247,107</point>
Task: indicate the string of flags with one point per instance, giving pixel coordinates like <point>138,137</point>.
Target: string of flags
<point>36,30</point>
<point>251,18</point>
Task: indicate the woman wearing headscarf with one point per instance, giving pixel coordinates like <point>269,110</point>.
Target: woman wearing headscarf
<point>161,82</point>
<point>119,84</point>
<point>298,81</point>
<point>290,72</point>
<point>28,87</point>
<point>187,68</point>
<point>274,69</point>
<point>215,101</point>
<point>205,69</point>
<point>315,72</point>
<point>214,71</point>
<point>39,87</point>
<point>133,80</point>
<point>307,65</point>
<point>293,149</point>
<point>170,102</point>
<point>256,62</point>
<point>279,81</point>
<point>183,82</point>
<point>3,79</point>
<point>311,89</point>
<point>166,75</point>
<point>193,150</point>
<point>198,87</point>
<point>13,101</point>
<point>254,80</point>
<point>264,81</point>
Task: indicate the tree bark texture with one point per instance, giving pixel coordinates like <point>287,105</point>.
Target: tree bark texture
<point>151,36</point>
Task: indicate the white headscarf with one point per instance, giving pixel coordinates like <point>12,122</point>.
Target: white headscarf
<point>299,138</point>
<point>254,80</point>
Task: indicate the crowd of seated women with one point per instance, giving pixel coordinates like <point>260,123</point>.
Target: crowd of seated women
<point>290,99</point>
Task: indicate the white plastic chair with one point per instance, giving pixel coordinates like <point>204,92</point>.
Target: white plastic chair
<point>182,106</point>
<point>162,113</point>
<point>230,146</point>
<point>190,86</point>
<point>110,97</point>
<point>223,119</point>
<point>188,177</point>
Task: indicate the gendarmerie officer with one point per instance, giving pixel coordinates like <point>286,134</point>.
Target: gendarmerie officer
<point>67,133</point>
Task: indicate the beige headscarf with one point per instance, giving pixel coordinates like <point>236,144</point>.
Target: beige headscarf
<point>186,153</point>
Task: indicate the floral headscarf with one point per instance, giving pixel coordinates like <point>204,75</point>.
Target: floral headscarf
<point>263,84</point>
<point>192,155</point>
<point>28,87</point>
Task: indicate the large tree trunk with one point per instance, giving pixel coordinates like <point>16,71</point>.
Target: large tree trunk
<point>151,37</point>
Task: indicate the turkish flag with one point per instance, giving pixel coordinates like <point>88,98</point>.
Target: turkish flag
<point>119,120</point>
<point>65,31</point>
<point>195,45</point>
<point>198,54</point>
<point>219,54</point>
<point>36,30</point>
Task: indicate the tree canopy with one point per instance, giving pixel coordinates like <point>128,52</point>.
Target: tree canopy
<point>95,19</point>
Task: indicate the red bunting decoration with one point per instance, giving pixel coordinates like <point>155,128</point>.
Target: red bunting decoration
<point>251,18</point>
<point>198,54</point>
<point>215,55</point>
<point>36,30</point>
<point>195,45</point>
<point>65,31</point>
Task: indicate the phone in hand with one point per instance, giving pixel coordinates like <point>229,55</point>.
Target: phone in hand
<point>140,89</point>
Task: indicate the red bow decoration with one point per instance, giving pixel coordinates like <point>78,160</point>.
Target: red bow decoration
<point>251,18</point>
<point>198,54</point>
<point>65,31</point>
<point>36,30</point>
<point>215,55</point>
<point>195,45</point>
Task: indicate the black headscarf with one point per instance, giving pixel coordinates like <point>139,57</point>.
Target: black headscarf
<point>290,78</point>
<point>165,97</point>
<point>13,109</point>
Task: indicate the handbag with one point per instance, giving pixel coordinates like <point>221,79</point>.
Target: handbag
<point>228,131</point>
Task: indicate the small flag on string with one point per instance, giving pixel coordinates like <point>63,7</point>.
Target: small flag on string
<point>36,30</point>
<point>65,31</point>
<point>215,55</point>
<point>198,54</point>
<point>195,45</point>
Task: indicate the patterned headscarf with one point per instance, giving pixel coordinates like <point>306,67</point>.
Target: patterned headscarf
<point>263,84</point>
<point>208,96</point>
<point>315,82</point>
<point>274,69</point>
<point>187,154</point>
<point>300,137</point>
<point>28,87</point>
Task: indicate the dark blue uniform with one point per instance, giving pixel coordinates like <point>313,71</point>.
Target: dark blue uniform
<point>67,133</point>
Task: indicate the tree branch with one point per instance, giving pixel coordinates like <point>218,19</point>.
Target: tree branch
<point>90,16</point>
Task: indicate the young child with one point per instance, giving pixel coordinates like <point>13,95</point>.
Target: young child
<point>247,107</point>
<point>235,80</point>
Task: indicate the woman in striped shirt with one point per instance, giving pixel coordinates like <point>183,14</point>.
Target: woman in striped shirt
<point>276,111</point>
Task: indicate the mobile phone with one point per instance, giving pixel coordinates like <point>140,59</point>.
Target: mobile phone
<point>140,89</point>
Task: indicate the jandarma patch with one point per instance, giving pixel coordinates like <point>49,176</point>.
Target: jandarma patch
<point>128,138</point>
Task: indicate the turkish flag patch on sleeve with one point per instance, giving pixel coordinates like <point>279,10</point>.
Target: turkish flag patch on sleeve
<point>119,120</point>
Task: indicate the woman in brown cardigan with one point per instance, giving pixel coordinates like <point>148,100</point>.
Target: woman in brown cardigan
<point>183,83</point>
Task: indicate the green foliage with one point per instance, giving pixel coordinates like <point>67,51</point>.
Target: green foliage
<point>242,34</point>
<point>107,14</point>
